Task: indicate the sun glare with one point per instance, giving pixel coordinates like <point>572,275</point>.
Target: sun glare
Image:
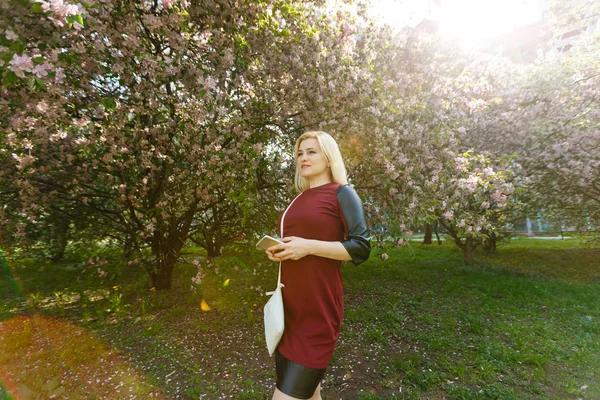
<point>473,21</point>
<point>469,22</point>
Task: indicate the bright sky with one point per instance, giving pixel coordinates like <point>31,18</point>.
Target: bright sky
<point>467,21</point>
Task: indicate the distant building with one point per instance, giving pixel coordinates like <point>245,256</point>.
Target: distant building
<point>520,45</point>
<point>523,44</point>
<point>428,26</point>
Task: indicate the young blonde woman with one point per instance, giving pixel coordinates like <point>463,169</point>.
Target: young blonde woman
<point>324,226</point>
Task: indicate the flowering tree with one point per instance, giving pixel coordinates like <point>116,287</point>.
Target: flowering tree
<point>155,117</point>
<point>563,162</point>
<point>415,167</point>
<point>153,122</point>
<point>26,68</point>
<point>473,204</point>
<point>548,119</point>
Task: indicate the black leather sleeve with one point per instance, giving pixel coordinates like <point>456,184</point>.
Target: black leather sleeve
<point>357,243</point>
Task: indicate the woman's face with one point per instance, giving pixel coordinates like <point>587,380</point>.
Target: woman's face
<point>312,161</point>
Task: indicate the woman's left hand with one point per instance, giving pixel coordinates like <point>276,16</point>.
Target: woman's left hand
<point>292,248</point>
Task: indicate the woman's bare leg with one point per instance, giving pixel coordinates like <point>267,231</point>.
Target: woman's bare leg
<point>317,394</point>
<point>278,395</point>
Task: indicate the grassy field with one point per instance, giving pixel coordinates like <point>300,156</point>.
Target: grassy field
<point>523,323</point>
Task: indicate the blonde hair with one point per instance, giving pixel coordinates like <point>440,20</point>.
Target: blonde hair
<point>332,153</point>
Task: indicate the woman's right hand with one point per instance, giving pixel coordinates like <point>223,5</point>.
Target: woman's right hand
<point>272,256</point>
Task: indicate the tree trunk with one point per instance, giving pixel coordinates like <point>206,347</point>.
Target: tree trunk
<point>129,246</point>
<point>212,245</point>
<point>490,244</point>
<point>162,278</point>
<point>436,226</point>
<point>428,234</point>
<point>213,250</point>
<point>468,250</point>
<point>166,251</point>
<point>468,247</point>
<point>59,239</point>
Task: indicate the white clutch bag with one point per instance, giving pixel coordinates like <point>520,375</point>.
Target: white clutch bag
<point>274,318</point>
<point>273,310</point>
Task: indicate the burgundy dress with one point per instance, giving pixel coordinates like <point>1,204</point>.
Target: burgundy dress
<point>313,295</point>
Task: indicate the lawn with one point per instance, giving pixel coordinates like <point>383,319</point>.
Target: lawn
<point>523,323</point>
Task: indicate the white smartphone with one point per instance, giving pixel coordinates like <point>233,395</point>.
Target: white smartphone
<point>266,242</point>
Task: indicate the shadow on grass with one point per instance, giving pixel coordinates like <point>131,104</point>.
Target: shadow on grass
<point>566,264</point>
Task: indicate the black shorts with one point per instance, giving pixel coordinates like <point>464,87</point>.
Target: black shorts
<point>296,380</point>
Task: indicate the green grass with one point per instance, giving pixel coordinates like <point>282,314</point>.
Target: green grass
<point>4,395</point>
<point>495,329</point>
<point>523,323</point>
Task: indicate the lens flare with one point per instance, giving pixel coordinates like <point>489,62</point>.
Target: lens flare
<point>204,306</point>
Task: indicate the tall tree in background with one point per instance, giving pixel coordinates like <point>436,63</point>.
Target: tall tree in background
<point>548,120</point>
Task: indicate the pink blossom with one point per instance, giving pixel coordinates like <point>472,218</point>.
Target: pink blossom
<point>20,64</point>
<point>23,161</point>
<point>401,158</point>
<point>59,75</point>
<point>27,144</point>
<point>10,35</point>
<point>488,171</point>
<point>498,196</point>
<point>198,278</point>
<point>60,9</point>
<point>11,139</point>
<point>20,230</point>
<point>448,215</point>
<point>58,136</point>
<point>470,183</point>
<point>460,163</point>
<point>476,105</point>
<point>41,70</point>
<point>81,122</point>
<point>41,107</point>
<point>209,83</point>
<point>82,141</point>
<point>485,205</point>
